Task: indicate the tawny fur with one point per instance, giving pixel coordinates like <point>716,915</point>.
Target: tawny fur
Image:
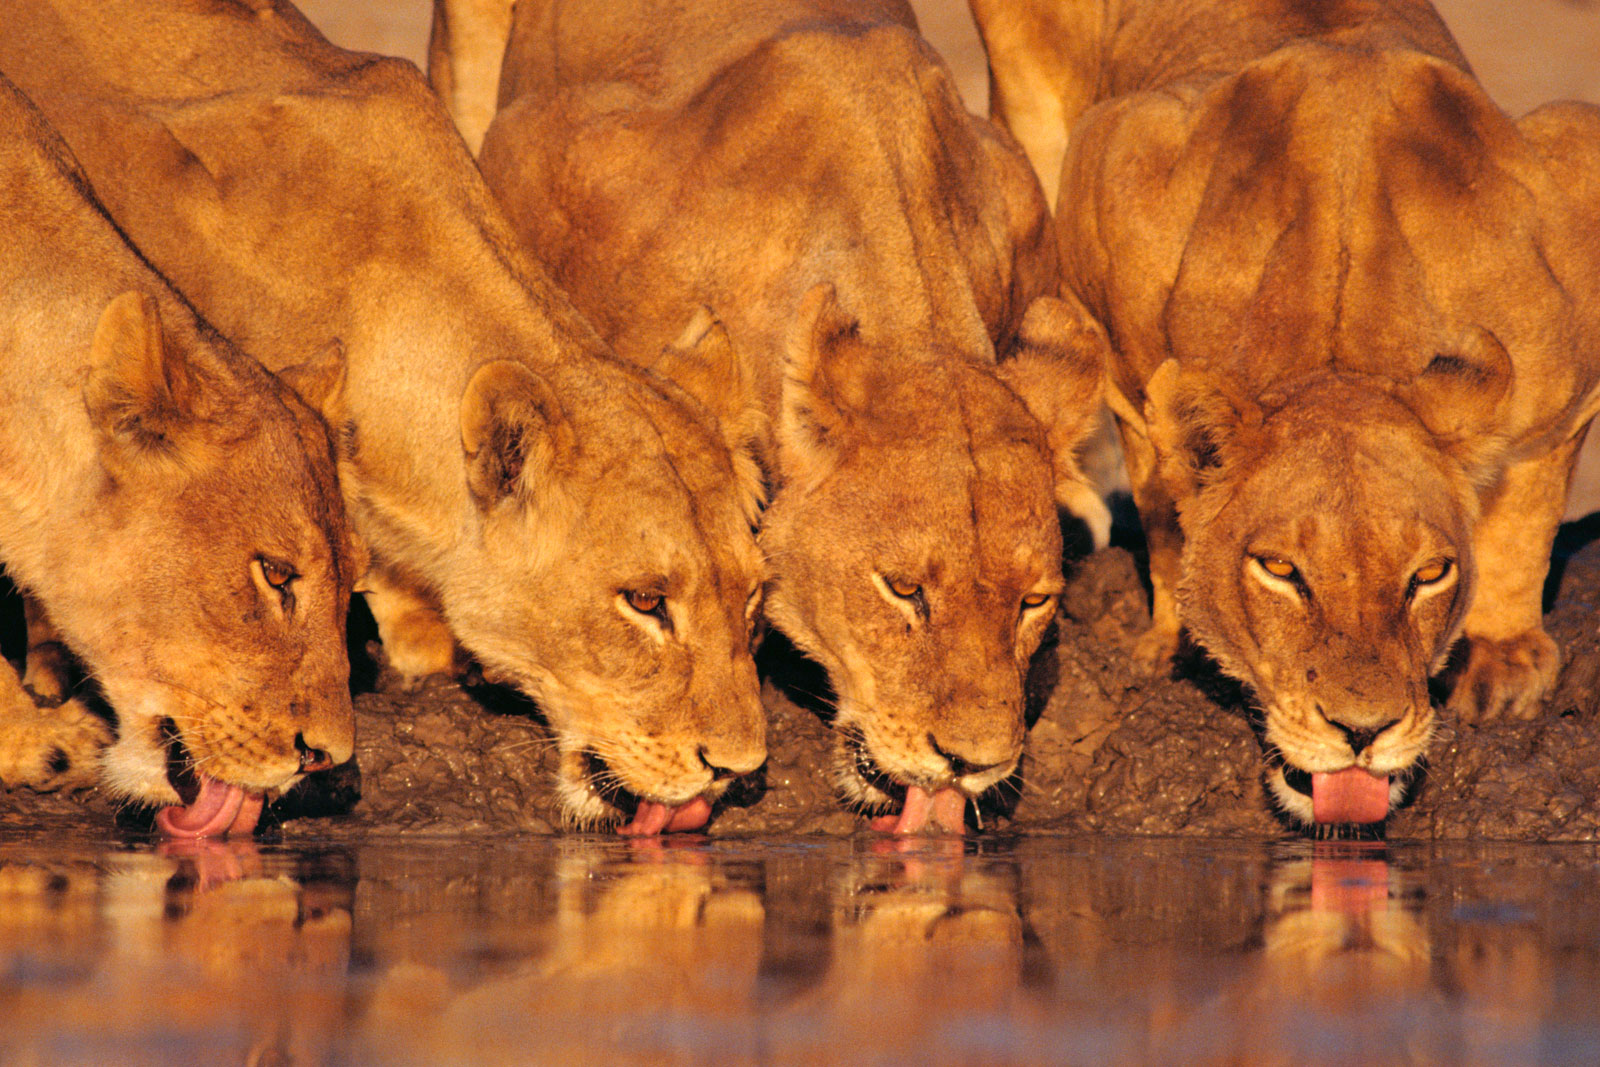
<point>146,469</point>
<point>1352,321</point>
<point>807,171</point>
<point>513,481</point>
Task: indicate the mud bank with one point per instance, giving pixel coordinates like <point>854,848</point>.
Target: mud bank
<point>1110,751</point>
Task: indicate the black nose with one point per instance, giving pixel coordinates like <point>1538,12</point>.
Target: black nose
<point>311,759</point>
<point>718,774</point>
<point>1360,737</point>
<point>960,767</point>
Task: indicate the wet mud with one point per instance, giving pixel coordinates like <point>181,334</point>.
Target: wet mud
<point>1109,750</point>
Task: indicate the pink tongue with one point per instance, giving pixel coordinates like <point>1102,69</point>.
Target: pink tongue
<point>945,809</point>
<point>1350,795</point>
<point>651,818</point>
<point>219,810</point>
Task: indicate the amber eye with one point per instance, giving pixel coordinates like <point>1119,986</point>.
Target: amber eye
<point>644,603</point>
<point>277,573</point>
<point>1430,573</point>
<point>1278,568</point>
<point>904,590</point>
<point>1036,600</point>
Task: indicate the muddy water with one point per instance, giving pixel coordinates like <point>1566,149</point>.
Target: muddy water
<point>582,950</point>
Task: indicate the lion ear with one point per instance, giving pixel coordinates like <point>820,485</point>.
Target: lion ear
<point>140,395</point>
<point>825,386</point>
<point>1458,394</point>
<point>513,434</point>
<point>320,382</point>
<point>1192,418</point>
<point>704,363</point>
<point>1056,365</point>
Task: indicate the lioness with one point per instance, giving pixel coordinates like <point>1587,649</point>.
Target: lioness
<point>1355,341</point>
<point>809,172</point>
<point>580,525</point>
<point>173,509</point>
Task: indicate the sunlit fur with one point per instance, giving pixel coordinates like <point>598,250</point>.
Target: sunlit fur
<point>974,531</point>
<point>1357,504</point>
<point>879,258</point>
<point>145,468</point>
<point>509,475</point>
<point>1355,315</point>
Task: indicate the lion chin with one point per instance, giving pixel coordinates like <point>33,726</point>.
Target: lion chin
<point>593,799</point>
<point>900,804</point>
<point>1292,792</point>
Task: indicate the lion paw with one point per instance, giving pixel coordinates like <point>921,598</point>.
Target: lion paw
<point>1153,651</point>
<point>51,748</point>
<point>1504,678</point>
<point>48,674</point>
<point>417,644</point>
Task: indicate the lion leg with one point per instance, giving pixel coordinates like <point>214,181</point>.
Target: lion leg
<point>47,748</point>
<point>1158,515</point>
<point>1511,662</point>
<point>415,639</point>
<point>48,671</point>
<point>465,47</point>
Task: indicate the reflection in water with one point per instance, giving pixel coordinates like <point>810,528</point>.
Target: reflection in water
<point>887,951</point>
<point>924,945</point>
<point>208,951</point>
<point>1341,973</point>
<point>649,947</point>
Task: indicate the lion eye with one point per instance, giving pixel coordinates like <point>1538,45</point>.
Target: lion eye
<point>1036,600</point>
<point>1432,572</point>
<point>904,590</point>
<point>910,592</point>
<point>644,603</point>
<point>280,577</point>
<point>1428,574</point>
<point>276,573</point>
<point>1278,568</point>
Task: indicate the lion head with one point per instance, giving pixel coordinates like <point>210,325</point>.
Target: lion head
<point>620,596</point>
<point>915,552</point>
<point>1327,564</point>
<point>207,571</point>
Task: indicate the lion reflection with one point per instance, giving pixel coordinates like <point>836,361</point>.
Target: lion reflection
<point>651,957</point>
<point>199,951</point>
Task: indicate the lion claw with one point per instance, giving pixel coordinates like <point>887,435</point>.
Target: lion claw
<point>1504,678</point>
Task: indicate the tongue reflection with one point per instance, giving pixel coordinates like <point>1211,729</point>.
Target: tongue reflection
<point>650,818</point>
<point>942,810</point>
<point>1349,796</point>
<point>219,810</point>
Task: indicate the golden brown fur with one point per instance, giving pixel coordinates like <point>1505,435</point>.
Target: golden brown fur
<point>148,472</point>
<point>1354,321</point>
<point>807,170</point>
<point>506,472</point>
<point>465,47</point>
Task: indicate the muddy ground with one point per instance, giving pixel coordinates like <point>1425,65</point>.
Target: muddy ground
<point>1108,752</point>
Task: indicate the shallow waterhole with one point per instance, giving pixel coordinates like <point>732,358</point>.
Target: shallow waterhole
<point>1021,949</point>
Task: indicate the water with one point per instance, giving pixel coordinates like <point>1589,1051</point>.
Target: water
<point>587,950</point>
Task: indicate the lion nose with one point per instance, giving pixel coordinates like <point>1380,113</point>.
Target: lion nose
<point>1359,737</point>
<point>720,773</point>
<point>311,759</point>
<point>960,766</point>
